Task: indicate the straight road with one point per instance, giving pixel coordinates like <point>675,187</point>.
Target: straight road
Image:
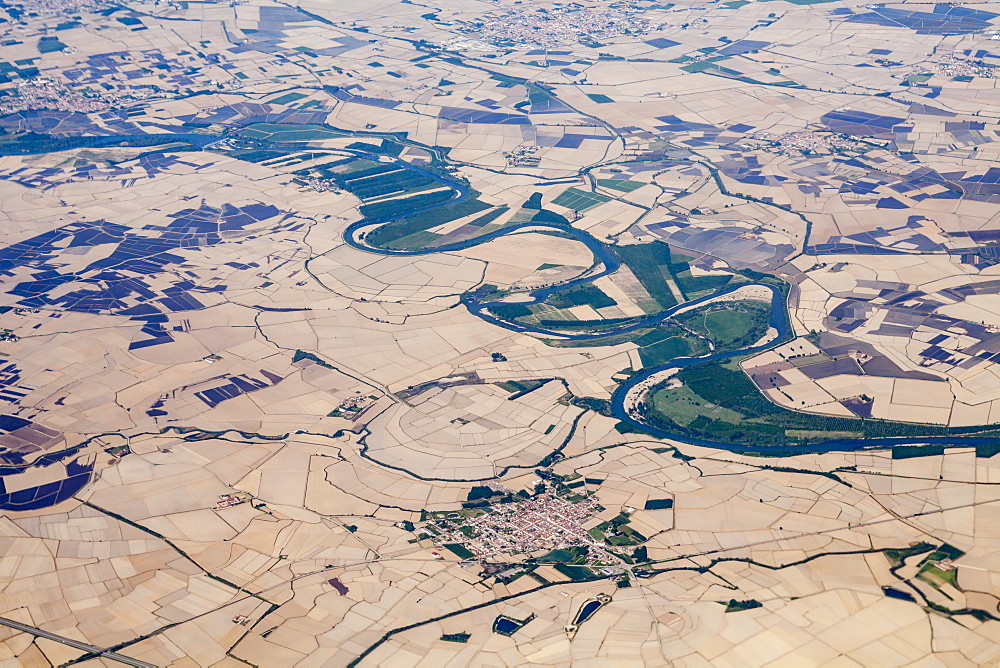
<point>74,643</point>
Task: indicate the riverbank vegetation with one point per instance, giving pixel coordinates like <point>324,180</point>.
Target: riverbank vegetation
<point>718,402</point>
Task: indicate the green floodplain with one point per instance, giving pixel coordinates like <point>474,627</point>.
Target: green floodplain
<point>716,400</point>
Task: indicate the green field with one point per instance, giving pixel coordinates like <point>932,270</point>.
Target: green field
<point>555,311</point>
<point>577,573</point>
<point>930,573</point>
<point>384,148</point>
<point>564,555</point>
<point>623,185</point>
<point>509,311</point>
<point>488,217</point>
<point>585,295</point>
<point>711,65</point>
<point>258,156</point>
<point>696,286</point>
<point>937,578</point>
<point>663,351</point>
<point>400,233</point>
<point>50,45</point>
<point>731,325</point>
<point>580,200</point>
<point>367,185</point>
<point>393,207</point>
<point>520,386</point>
<point>651,265</point>
<point>617,531</point>
<point>537,94</point>
<point>719,402</point>
<point>810,359</point>
<point>360,168</point>
<point>345,166</point>
<point>609,340</point>
<point>388,190</point>
<point>911,451</point>
<point>460,550</point>
<point>684,407</point>
<point>287,98</point>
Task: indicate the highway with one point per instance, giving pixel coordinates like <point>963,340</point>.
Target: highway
<point>74,643</point>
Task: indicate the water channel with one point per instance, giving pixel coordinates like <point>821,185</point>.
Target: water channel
<point>606,260</point>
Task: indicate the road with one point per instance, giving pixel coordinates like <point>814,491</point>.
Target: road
<point>74,643</point>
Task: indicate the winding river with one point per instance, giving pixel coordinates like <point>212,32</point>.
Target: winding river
<point>607,260</point>
<point>609,263</point>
